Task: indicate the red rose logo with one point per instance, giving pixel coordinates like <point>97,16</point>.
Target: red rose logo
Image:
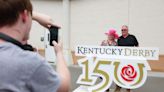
<point>128,73</point>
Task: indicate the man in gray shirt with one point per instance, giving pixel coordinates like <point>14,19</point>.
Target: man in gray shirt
<point>26,71</point>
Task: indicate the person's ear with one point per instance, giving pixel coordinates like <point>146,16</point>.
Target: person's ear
<point>24,16</point>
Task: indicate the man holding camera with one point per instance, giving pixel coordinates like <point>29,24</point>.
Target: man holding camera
<point>22,70</point>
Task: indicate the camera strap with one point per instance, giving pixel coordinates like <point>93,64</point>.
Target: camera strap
<point>15,42</point>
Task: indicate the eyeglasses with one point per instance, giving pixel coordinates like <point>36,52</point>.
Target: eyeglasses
<point>123,30</point>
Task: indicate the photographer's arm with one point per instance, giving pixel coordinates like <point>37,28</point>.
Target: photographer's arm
<point>62,69</point>
<point>43,19</point>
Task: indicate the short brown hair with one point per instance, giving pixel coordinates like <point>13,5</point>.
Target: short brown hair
<point>10,10</point>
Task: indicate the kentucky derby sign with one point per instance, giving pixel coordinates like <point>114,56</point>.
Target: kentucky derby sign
<point>126,66</point>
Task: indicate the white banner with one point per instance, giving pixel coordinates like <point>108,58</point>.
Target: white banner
<point>136,53</point>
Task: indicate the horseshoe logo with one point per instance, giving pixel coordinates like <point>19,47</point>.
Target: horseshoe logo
<point>116,64</point>
<point>141,68</point>
<point>129,74</point>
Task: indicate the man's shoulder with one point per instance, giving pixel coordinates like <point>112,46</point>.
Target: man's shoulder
<point>33,57</point>
<point>120,37</point>
<point>18,61</point>
<point>31,60</point>
<point>13,54</point>
<point>131,35</point>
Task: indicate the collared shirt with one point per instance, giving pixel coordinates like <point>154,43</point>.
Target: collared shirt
<point>25,71</point>
<point>130,40</point>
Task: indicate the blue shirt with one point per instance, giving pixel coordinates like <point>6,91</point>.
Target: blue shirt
<point>25,71</point>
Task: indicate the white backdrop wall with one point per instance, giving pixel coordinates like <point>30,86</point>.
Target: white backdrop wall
<point>91,18</point>
<point>147,21</point>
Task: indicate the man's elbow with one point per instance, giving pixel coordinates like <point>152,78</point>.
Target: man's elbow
<point>64,86</point>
